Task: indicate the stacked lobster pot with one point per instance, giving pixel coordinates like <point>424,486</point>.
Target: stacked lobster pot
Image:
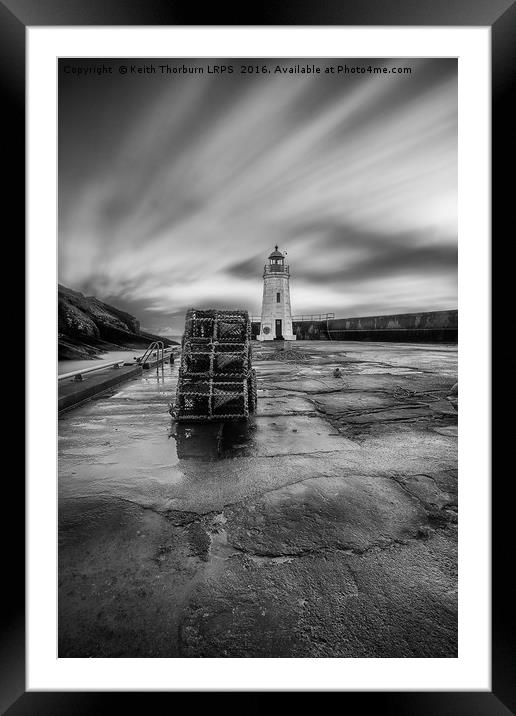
<point>216,378</point>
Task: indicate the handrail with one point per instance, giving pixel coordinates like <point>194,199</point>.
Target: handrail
<point>80,371</point>
<point>155,345</point>
<point>303,317</point>
<point>314,317</point>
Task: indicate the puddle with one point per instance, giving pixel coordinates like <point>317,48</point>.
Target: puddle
<point>213,441</point>
<point>261,436</point>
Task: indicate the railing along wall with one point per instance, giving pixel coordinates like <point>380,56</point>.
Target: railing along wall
<point>307,317</point>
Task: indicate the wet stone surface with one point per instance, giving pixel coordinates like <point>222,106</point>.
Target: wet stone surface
<point>325,526</point>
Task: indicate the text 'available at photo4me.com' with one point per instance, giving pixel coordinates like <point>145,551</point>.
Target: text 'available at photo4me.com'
<point>163,68</point>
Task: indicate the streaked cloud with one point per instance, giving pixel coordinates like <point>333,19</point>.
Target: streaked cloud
<point>173,191</point>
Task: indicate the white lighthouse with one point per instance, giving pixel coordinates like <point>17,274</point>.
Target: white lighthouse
<point>276,321</point>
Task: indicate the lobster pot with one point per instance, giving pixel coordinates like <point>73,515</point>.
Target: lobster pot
<point>234,363</point>
<point>210,360</point>
<point>232,326</point>
<point>212,400</point>
<point>229,400</point>
<point>216,381</point>
<point>195,362</point>
<point>193,400</point>
<point>232,329</point>
<point>231,358</point>
<point>199,328</point>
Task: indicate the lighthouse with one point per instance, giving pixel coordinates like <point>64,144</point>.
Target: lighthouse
<point>276,320</point>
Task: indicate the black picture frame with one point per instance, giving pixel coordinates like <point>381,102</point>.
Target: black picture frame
<point>500,16</point>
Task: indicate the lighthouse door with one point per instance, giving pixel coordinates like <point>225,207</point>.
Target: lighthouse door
<point>278,328</point>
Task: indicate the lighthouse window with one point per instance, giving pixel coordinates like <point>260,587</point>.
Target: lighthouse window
<point>278,297</point>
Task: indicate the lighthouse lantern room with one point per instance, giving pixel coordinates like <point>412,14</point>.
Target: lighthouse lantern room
<point>276,319</point>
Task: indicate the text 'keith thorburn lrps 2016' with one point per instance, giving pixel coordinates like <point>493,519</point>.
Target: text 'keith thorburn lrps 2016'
<point>216,380</point>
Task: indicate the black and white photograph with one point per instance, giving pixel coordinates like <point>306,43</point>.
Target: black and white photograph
<point>257,357</point>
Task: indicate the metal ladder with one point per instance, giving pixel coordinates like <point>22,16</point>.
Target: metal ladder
<point>157,346</point>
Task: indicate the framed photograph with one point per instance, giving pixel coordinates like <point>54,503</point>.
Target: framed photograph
<point>258,263</point>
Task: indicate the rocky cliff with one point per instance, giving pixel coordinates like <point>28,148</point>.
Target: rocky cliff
<point>87,327</point>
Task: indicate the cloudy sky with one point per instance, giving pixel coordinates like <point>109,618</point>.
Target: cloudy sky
<point>173,189</point>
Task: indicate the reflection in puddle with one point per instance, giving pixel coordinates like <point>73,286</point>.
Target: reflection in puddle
<point>213,441</point>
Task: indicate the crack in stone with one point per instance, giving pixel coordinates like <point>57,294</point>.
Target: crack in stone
<point>373,411</point>
<point>326,550</point>
<point>305,454</point>
<point>405,488</point>
<point>438,518</point>
<point>186,518</point>
<point>307,393</point>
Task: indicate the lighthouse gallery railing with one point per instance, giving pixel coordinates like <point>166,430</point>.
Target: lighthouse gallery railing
<point>276,268</point>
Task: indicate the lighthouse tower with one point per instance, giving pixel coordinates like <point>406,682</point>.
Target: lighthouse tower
<point>276,320</point>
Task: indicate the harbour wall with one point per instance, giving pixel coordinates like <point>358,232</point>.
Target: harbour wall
<point>424,327</point>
